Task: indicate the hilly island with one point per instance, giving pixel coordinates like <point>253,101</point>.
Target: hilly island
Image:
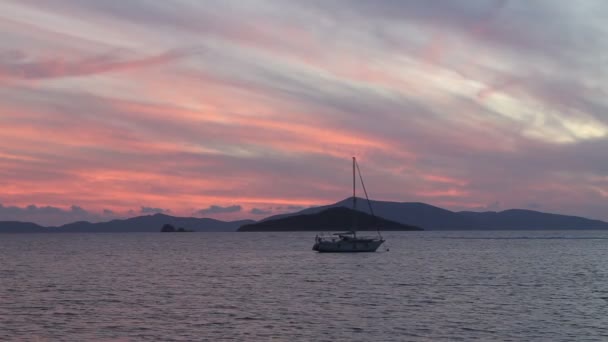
<point>389,216</point>
<point>336,218</point>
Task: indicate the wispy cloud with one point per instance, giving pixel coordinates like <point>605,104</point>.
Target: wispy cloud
<point>458,103</point>
<point>15,65</point>
<point>258,211</point>
<point>151,210</point>
<point>216,209</point>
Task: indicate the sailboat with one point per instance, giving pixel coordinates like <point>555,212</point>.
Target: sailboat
<point>349,242</point>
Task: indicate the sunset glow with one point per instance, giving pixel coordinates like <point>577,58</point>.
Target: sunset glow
<point>232,110</point>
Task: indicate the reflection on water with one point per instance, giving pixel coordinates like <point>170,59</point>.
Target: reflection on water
<point>431,286</point>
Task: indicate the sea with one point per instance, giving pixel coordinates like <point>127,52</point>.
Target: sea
<point>420,286</point>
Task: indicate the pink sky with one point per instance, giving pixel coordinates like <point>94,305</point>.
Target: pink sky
<point>234,109</point>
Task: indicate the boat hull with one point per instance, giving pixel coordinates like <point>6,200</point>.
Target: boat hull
<point>342,246</point>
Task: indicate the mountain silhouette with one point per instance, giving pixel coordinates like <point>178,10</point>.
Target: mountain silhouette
<point>415,214</point>
<point>20,227</point>
<point>338,218</point>
<point>412,213</point>
<point>148,223</point>
<point>430,217</point>
<point>529,219</point>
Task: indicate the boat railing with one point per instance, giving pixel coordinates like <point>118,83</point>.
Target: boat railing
<point>340,236</point>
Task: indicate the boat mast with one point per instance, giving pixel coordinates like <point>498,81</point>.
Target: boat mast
<point>369,203</point>
<point>354,198</point>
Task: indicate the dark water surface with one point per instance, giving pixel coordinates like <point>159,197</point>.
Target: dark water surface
<point>431,286</point>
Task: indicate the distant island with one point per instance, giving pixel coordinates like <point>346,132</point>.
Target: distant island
<point>414,214</point>
<point>332,219</point>
<point>139,224</point>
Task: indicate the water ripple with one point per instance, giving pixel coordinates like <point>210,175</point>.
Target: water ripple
<point>431,286</point>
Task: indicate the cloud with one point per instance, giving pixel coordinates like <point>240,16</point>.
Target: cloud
<point>50,215</point>
<point>291,207</point>
<point>281,94</point>
<point>151,210</point>
<point>216,209</point>
<point>78,210</point>
<point>494,206</point>
<point>15,65</point>
<point>257,211</point>
<point>500,86</point>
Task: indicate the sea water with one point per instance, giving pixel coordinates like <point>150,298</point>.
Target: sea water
<point>430,286</point>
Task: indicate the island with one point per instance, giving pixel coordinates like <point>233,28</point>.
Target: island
<point>332,219</point>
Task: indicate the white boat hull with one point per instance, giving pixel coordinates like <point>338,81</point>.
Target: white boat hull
<point>347,246</point>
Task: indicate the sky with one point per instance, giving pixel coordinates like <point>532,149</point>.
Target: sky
<point>242,109</point>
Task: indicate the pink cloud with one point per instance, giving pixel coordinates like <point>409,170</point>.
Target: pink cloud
<point>22,68</point>
<point>484,93</point>
<point>271,106</point>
